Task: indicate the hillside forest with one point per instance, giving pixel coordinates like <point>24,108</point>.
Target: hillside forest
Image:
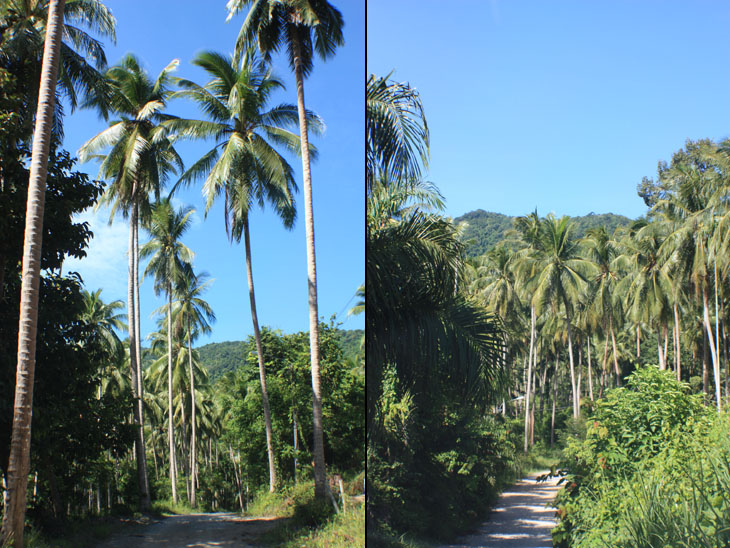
<point>96,417</point>
<point>596,347</point>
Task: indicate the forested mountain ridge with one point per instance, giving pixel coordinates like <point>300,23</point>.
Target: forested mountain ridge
<point>485,229</point>
<point>220,358</point>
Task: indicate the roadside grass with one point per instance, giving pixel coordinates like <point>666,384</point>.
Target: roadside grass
<point>161,508</point>
<point>312,522</point>
<point>82,533</point>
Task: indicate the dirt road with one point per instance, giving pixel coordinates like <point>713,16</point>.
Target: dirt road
<point>194,531</point>
<point>521,518</point>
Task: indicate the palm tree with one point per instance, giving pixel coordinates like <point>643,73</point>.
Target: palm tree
<point>560,279</point>
<point>194,315</point>
<point>415,319</point>
<point>302,27</point>
<point>139,160</point>
<point>104,319</point>
<point>19,461</point>
<point>23,25</point>
<point>242,165</point>
<point>167,264</point>
<point>397,133</point>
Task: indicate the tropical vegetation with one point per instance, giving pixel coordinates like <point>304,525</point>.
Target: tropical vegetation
<point>125,421</point>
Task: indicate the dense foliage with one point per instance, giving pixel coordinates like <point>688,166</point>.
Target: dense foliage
<point>483,230</point>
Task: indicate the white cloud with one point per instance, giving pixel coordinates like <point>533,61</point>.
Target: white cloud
<point>105,264</point>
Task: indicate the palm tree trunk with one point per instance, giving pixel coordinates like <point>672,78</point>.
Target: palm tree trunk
<point>638,341</point>
<point>715,364</point>
<point>260,352</point>
<point>141,457</point>
<point>590,372</point>
<point>555,399</point>
<point>170,426</point>
<point>320,483</point>
<point>662,361</point>
<point>193,448</point>
<point>615,353</point>
<point>529,377</point>
<point>19,460</point>
<point>576,402</point>
<point>678,353</point>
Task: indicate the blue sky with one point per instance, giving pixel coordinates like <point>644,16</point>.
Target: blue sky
<point>561,105</point>
<point>162,30</point>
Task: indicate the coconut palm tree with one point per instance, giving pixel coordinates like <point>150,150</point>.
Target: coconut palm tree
<point>561,276</point>
<point>104,319</point>
<point>193,316</point>
<point>139,160</point>
<point>168,258</point>
<point>23,27</point>
<point>303,28</point>
<point>243,166</point>
<point>19,461</point>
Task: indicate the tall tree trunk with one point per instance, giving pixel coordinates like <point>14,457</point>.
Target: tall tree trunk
<point>141,456</point>
<point>555,399</point>
<point>678,353</point>
<point>170,410</point>
<point>615,353</point>
<point>576,402</point>
<point>19,460</point>
<point>715,363</point>
<point>662,361</point>
<point>590,371</point>
<point>638,341</point>
<point>260,352</point>
<point>320,482</point>
<point>665,331</point>
<point>193,448</point>
<point>529,377</point>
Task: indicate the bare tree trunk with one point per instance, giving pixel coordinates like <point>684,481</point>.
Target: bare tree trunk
<point>320,482</point>
<point>615,353</point>
<point>638,341</point>
<point>170,410</point>
<point>662,363</point>
<point>677,350</point>
<point>19,459</point>
<point>555,399</point>
<point>529,377</point>
<point>260,353</point>
<point>715,363</point>
<point>193,448</point>
<point>576,401</point>
<point>590,371</point>
<point>145,489</point>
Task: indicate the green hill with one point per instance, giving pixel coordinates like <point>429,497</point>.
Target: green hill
<point>220,358</point>
<point>485,229</point>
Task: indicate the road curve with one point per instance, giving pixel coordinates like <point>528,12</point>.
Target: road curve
<point>523,518</point>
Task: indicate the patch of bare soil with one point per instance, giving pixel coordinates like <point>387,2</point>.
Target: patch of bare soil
<point>195,531</point>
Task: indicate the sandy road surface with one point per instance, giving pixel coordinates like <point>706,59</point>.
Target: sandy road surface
<point>521,519</point>
<point>194,531</point>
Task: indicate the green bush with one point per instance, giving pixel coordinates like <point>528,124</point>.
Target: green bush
<point>634,431</point>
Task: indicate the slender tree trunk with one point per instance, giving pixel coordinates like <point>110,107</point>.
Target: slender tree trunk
<point>19,460</point>
<point>320,482</point>
<point>638,341</point>
<point>170,410</point>
<point>580,371</point>
<point>529,376</point>
<point>715,363</point>
<point>576,402</point>
<point>678,356</point>
<point>543,379</point>
<point>665,331</point>
<point>662,362</point>
<point>142,456</point>
<point>555,399</point>
<point>260,353</point>
<point>193,448</point>
<point>590,372</point>
<point>604,367</point>
<point>615,353</point>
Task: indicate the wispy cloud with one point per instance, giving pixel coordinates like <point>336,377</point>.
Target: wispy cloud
<point>105,264</point>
